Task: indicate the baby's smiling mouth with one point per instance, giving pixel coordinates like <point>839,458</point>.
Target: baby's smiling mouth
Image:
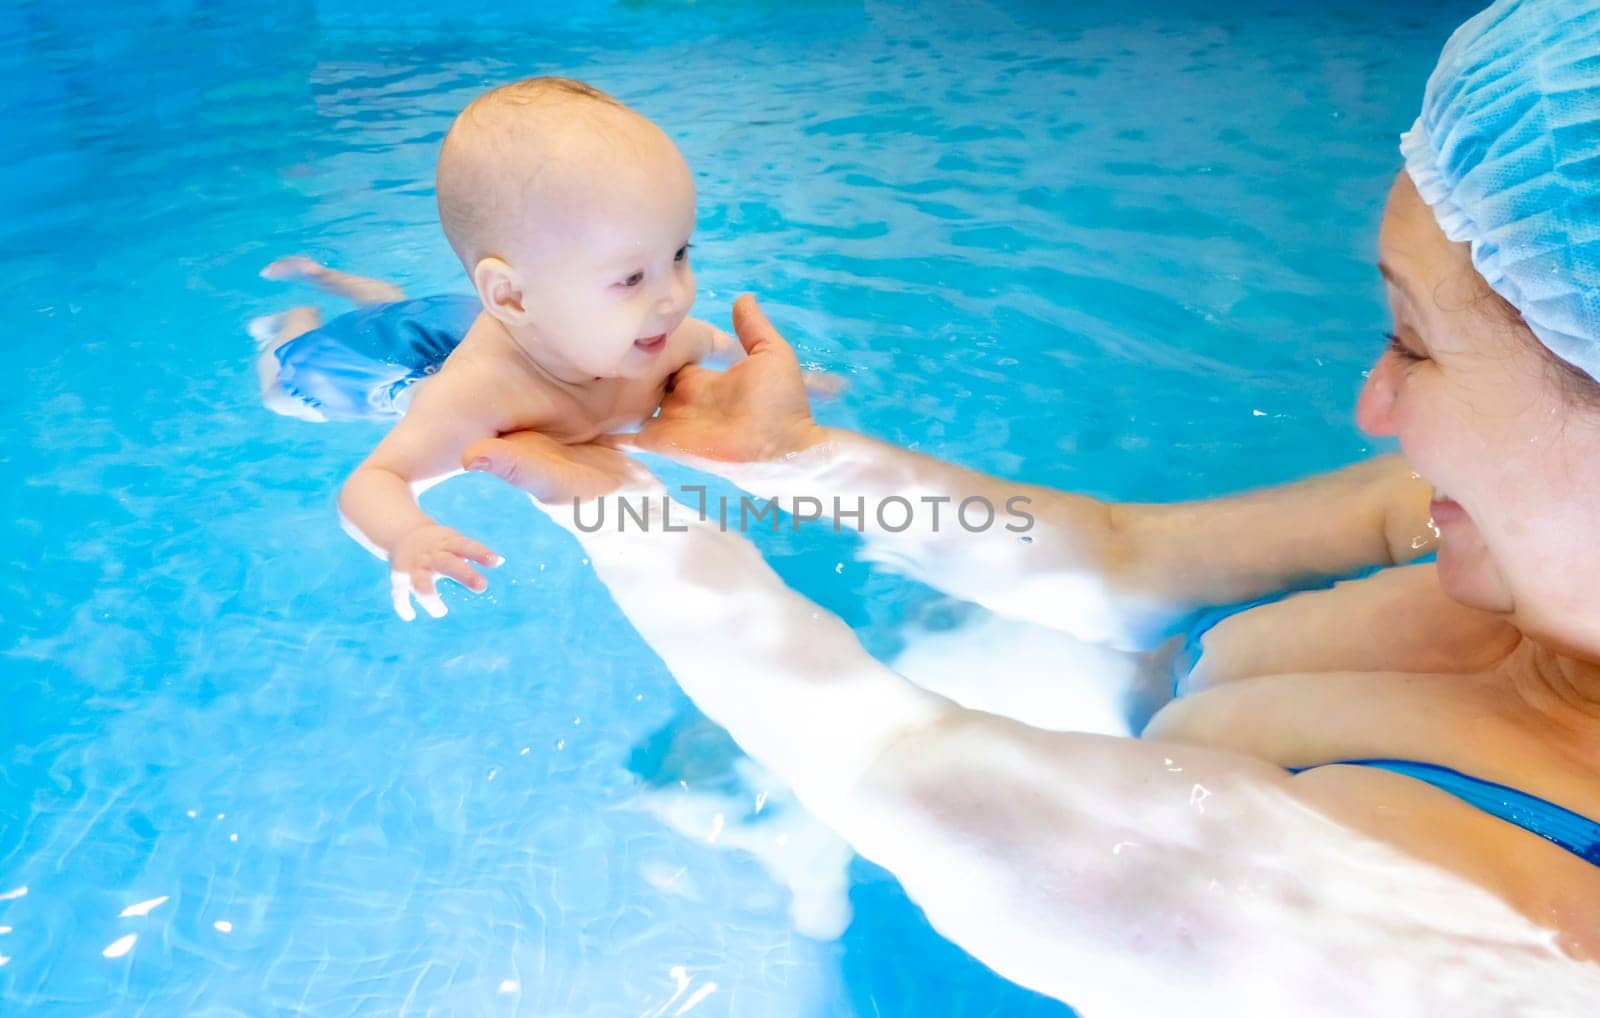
<point>651,344</point>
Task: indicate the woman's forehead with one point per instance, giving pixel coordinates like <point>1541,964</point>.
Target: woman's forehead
<point>1414,254</point>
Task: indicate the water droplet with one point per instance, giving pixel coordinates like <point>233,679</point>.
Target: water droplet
<point>222,926</point>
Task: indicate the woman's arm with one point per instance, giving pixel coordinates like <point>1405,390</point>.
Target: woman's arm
<point>1122,876</point>
<point>1117,573</point>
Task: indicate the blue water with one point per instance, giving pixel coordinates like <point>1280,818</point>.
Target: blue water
<point>1120,248</point>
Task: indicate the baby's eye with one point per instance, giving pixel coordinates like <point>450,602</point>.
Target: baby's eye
<point>683,253</point>
<point>633,280</point>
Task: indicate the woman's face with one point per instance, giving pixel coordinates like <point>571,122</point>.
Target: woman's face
<point>1483,417</point>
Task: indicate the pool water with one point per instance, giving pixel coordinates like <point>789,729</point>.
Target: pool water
<point>1120,248</point>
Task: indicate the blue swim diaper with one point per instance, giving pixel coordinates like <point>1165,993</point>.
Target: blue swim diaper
<point>361,365</point>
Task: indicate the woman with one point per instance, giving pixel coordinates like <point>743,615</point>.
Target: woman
<point>1397,777</point>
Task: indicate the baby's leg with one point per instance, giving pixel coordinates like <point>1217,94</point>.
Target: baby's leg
<point>271,332</point>
<point>360,289</point>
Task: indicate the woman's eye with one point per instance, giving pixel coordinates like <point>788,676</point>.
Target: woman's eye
<point>1402,351</point>
<point>634,280</point>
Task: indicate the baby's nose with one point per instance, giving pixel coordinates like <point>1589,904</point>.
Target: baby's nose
<point>676,295</point>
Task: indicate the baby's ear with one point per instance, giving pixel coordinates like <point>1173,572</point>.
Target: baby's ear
<point>500,288</point>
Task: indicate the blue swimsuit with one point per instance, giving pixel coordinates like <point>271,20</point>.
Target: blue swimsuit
<point>1574,832</point>
<point>362,365</point>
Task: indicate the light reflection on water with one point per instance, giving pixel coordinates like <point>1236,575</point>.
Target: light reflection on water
<point>1122,252</point>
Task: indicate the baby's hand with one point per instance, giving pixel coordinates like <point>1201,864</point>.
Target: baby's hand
<point>824,384</point>
<point>429,552</point>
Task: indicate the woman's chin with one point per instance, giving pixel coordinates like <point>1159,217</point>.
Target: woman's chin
<point>1468,574</point>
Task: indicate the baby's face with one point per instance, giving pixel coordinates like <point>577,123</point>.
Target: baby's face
<point>606,263</point>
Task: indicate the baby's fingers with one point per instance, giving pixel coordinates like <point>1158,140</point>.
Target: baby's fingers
<point>467,548</point>
<point>418,584</point>
<point>455,568</point>
<point>400,596</point>
<point>433,604</point>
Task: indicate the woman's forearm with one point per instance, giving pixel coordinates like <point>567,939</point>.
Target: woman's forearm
<point>1021,550</point>
<point>1227,550</point>
<point>789,680</point>
<point>1116,573</point>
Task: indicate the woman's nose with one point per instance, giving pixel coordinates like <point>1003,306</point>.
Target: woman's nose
<point>1375,408</point>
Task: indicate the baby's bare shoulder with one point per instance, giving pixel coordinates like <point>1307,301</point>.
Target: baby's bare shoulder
<point>483,382</point>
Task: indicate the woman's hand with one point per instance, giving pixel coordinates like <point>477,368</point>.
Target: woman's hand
<point>756,411</point>
<point>552,472</point>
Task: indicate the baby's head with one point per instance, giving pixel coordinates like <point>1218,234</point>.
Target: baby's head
<point>572,215</point>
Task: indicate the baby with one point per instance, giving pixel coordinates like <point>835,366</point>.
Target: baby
<point>572,214</point>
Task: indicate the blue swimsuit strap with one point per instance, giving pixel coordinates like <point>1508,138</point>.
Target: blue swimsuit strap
<point>1572,831</point>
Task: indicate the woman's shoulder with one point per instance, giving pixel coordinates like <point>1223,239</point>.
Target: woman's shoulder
<point>1408,717</point>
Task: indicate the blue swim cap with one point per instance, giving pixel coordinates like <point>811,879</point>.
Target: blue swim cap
<point>1507,152</point>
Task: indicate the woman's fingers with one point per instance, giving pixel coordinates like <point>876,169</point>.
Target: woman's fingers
<point>513,459</point>
<point>757,334</point>
<point>688,384</point>
<point>752,327</point>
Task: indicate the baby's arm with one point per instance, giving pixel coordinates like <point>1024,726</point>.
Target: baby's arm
<point>704,343</point>
<point>721,351</point>
<point>378,503</point>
